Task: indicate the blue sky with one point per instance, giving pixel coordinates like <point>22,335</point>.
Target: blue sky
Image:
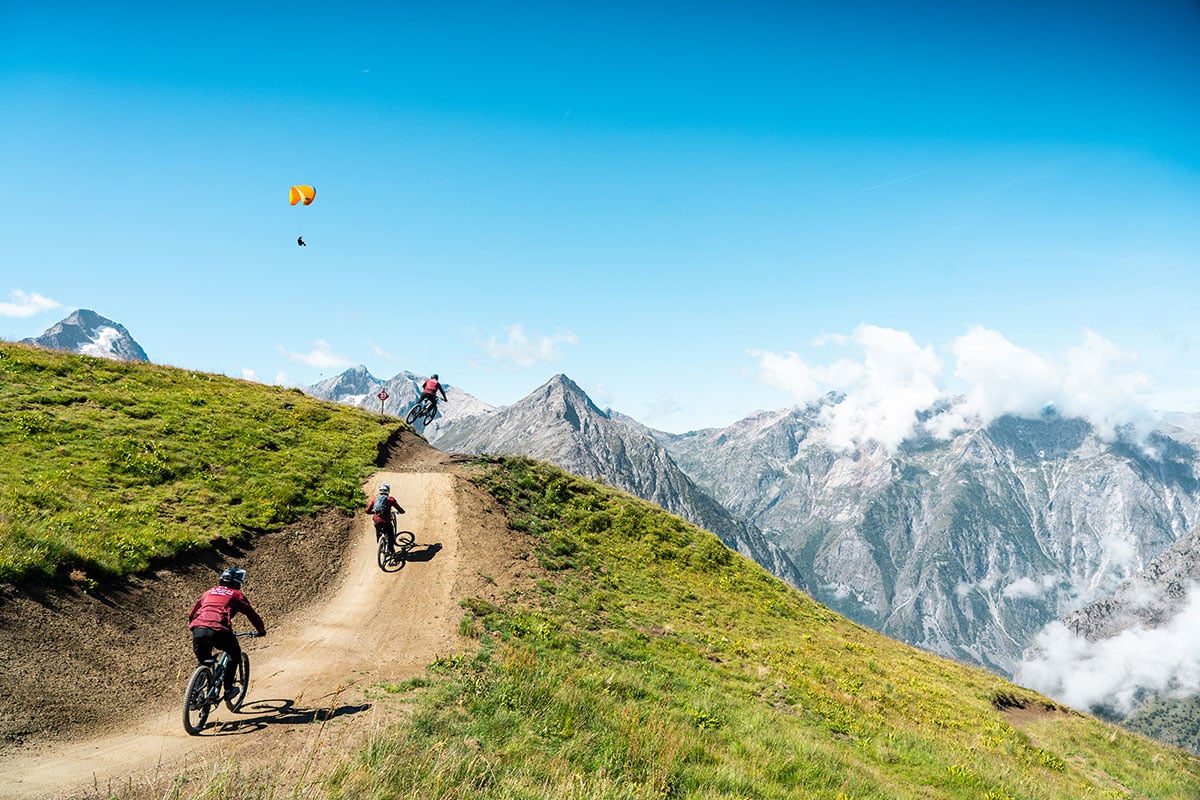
<point>694,210</point>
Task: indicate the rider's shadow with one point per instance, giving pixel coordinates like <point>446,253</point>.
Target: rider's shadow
<point>422,552</point>
<point>258,715</point>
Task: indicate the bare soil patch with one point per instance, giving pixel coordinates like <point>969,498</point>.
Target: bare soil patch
<point>1023,716</point>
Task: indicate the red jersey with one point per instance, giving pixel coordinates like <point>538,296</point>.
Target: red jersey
<point>216,608</point>
<point>430,386</point>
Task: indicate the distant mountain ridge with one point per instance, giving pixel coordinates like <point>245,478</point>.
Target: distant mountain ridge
<point>560,424</point>
<point>966,546</point>
<point>87,333</point>
<point>358,387</point>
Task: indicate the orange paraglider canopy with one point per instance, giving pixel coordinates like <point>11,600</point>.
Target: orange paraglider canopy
<point>301,194</point>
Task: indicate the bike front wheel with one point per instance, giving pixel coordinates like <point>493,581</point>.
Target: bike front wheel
<point>195,700</point>
<point>404,541</point>
<point>243,684</point>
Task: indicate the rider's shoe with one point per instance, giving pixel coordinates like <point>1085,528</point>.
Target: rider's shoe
<point>231,693</point>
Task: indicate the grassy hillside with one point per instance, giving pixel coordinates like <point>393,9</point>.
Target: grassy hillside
<point>105,465</point>
<point>660,664</point>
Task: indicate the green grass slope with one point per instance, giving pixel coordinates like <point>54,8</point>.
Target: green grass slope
<point>106,465</point>
<point>657,663</point>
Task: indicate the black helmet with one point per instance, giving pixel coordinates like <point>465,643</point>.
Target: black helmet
<point>435,377</point>
<point>233,578</point>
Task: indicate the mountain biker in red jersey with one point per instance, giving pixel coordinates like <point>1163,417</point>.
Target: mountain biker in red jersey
<point>210,620</point>
<point>429,390</point>
<point>380,509</point>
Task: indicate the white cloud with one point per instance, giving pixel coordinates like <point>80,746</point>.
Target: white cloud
<point>889,378</point>
<point>1001,377</point>
<point>892,379</point>
<point>27,305</point>
<point>1114,672</point>
<point>899,379</point>
<point>1029,588</point>
<point>321,357</point>
<point>518,348</point>
<point>1092,381</point>
<point>1121,555</point>
<point>1099,385</point>
<point>247,374</point>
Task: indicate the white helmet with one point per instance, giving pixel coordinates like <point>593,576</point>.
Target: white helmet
<point>385,489</point>
<point>233,578</point>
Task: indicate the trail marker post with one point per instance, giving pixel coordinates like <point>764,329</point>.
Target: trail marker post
<point>383,395</point>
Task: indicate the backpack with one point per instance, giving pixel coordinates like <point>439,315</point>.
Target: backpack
<point>380,506</point>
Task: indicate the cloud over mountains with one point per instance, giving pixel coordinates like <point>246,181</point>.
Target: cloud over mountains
<point>889,382</point>
<point>1116,672</point>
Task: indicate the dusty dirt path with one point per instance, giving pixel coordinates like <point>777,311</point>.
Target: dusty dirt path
<point>318,669</point>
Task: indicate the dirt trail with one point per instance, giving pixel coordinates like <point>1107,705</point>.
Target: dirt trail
<point>316,668</point>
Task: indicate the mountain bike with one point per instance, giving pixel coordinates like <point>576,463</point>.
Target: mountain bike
<point>206,688</point>
<point>424,410</point>
<point>391,558</point>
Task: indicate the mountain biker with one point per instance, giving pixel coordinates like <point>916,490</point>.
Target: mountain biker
<point>380,509</point>
<point>429,390</point>
<point>210,619</point>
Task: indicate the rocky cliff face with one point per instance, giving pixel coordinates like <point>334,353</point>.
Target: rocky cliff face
<point>558,423</point>
<point>1150,599</point>
<point>966,547</point>
<point>87,333</point>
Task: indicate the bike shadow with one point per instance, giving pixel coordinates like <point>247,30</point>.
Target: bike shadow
<point>261,714</point>
<point>423,552</point>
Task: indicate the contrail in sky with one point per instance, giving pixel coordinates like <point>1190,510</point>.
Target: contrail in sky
<point>897,180</point>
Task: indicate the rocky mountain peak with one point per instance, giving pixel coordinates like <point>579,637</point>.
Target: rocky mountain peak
<point>354,381</point>
<point>563,399</point>
<point>87,333</point>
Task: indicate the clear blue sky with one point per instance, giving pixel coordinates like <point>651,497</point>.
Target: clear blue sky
<point>660,200</point>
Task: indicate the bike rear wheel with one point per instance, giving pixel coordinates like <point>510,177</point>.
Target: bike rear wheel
<point>413,413</point>
<point>242,681</point>
<point>383,553</point>
<point>195,700</point>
